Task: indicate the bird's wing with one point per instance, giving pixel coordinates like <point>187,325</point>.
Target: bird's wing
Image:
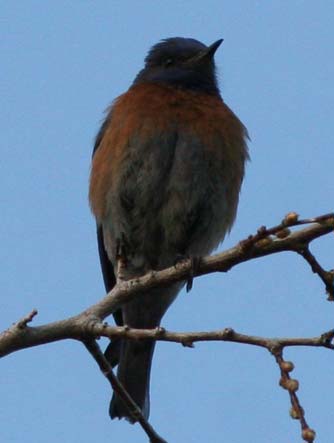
<point>106,265</point>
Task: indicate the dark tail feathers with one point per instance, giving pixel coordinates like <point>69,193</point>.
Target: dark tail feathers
<point>134,373</point>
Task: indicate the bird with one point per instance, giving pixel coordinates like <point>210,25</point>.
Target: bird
<point>167,168</point>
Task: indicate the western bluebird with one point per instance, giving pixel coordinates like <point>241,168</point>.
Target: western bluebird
<point>167,168</point>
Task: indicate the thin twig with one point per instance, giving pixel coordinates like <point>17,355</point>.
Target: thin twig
<point>133,409</point>
<point>21,324</point>
<point>325,340</point>
<point>292,386</point>
<point>326,276</point>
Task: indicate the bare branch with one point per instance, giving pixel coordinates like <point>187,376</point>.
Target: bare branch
<point>259,245</point>
<point>21,324</point>
<point>263,243</point>
<point>134,410</point>
<point>325,340</point>
<point>326,276</point>
<point>292,386</point>
<point>88,325</point>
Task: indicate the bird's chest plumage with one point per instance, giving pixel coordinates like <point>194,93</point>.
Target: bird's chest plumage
<point>167,174</point>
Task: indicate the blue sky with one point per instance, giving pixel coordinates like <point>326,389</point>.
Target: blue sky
<point>62,63</point>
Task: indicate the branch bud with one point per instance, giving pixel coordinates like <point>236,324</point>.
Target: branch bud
<point>296,413</point>
<point>287,366</point>
<point>308,435</point>
<point>290,218</point>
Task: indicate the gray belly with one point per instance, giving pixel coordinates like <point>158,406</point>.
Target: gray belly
<point>173,198</point>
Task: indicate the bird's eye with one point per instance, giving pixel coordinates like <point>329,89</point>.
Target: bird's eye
<point>169,62</point>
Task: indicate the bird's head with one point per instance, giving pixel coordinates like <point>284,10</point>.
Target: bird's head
<point>181,62</point>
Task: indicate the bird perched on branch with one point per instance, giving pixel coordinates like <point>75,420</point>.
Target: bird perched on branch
<point>167,168</point>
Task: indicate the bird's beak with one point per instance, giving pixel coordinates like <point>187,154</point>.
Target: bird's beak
<point>209,52</point>
<point>206,54</point>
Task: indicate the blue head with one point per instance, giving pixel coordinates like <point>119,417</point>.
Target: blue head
<point>182,62</point>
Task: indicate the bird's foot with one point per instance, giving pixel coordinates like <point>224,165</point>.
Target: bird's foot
<point>159,331</point>
<point>195,262</point>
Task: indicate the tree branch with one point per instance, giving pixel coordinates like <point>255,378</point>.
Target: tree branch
<point>88,326</point>
<point>187,339</point>
<point>263,243</point>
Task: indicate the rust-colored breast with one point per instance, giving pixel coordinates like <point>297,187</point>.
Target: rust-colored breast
<point>149,109</point>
